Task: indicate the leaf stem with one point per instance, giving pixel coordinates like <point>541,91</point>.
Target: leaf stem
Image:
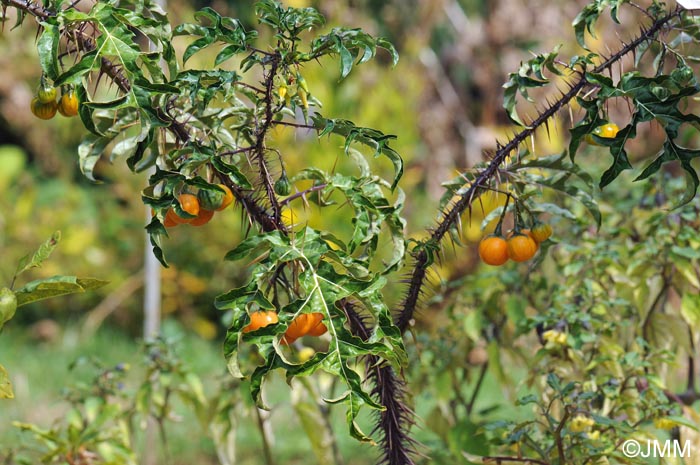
<point>477,388</point>
<point>317,187</point>
<point>267,450</point>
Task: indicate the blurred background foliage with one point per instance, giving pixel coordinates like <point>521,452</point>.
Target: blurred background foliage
<point>443,100</point>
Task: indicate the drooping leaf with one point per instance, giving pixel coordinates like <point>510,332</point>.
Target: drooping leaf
<point>673,152</point>
<point>89,153</point>
<point>366,136</point>
<point>47,46</point>
<point>56,286</point>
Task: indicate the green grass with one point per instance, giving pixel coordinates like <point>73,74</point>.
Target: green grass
<point>40,372</point>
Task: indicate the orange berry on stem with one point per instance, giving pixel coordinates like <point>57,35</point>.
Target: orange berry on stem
<point>521,247</point>
<point>203,217</point>
<point>493,250</point>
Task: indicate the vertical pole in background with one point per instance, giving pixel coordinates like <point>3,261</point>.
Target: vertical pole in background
<point>151,288</point>
<point>151,266</point>
<point>151,311</point>
<point>151,330</point>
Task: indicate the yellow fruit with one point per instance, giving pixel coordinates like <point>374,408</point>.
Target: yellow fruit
<point>46,93</point>
<point>541,232</point>
<point>228,197</point>
<point>305,354</point>
<point>607,131</point>
<point>68,105</point>
<point>43,110</point>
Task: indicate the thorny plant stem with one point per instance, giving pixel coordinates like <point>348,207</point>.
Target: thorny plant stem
<point>450,218</point>
<point>261,134</point>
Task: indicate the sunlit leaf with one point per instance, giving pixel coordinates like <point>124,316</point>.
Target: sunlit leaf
<point>56,286</point>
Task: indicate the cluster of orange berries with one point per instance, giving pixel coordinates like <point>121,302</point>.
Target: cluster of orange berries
<point>44,104</point>
<point>518,245</point>
<point>201,206</point>
<point>305,324</point>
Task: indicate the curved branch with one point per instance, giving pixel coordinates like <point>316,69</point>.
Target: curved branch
<point>452,216</point>
<point>35,9</point>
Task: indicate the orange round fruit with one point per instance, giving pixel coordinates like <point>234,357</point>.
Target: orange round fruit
<point>521,247</point>
<point>260,320</point>
<point>541,232</point>
<point>319,329</point>
<point>68,105</point>
<point>170,219</point>
<point>203,217</point>
<point>173,219</point>
<point>493,250</point>
<point>228,197</point>
<point>189,204</point>
<point>304,324</point>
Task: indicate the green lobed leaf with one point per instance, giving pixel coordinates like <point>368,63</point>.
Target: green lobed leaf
<point>86,114</point>
<point>42,253</point>
<point>673,152</point>
<point>74,74</point>
<point>366,136</point>
<point>324,278</point>
<point>585,21</point>
<point>137,161</point>
<point>349,44</point>
<point>156,231</point>
<point>89,152</point>
<point>220,30</point>
<point>56,286</point>
<point>47,47</point>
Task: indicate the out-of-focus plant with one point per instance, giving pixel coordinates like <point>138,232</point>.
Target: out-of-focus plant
<point>107,415</point>
<point>600,350</point>
<point>11,298</point>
